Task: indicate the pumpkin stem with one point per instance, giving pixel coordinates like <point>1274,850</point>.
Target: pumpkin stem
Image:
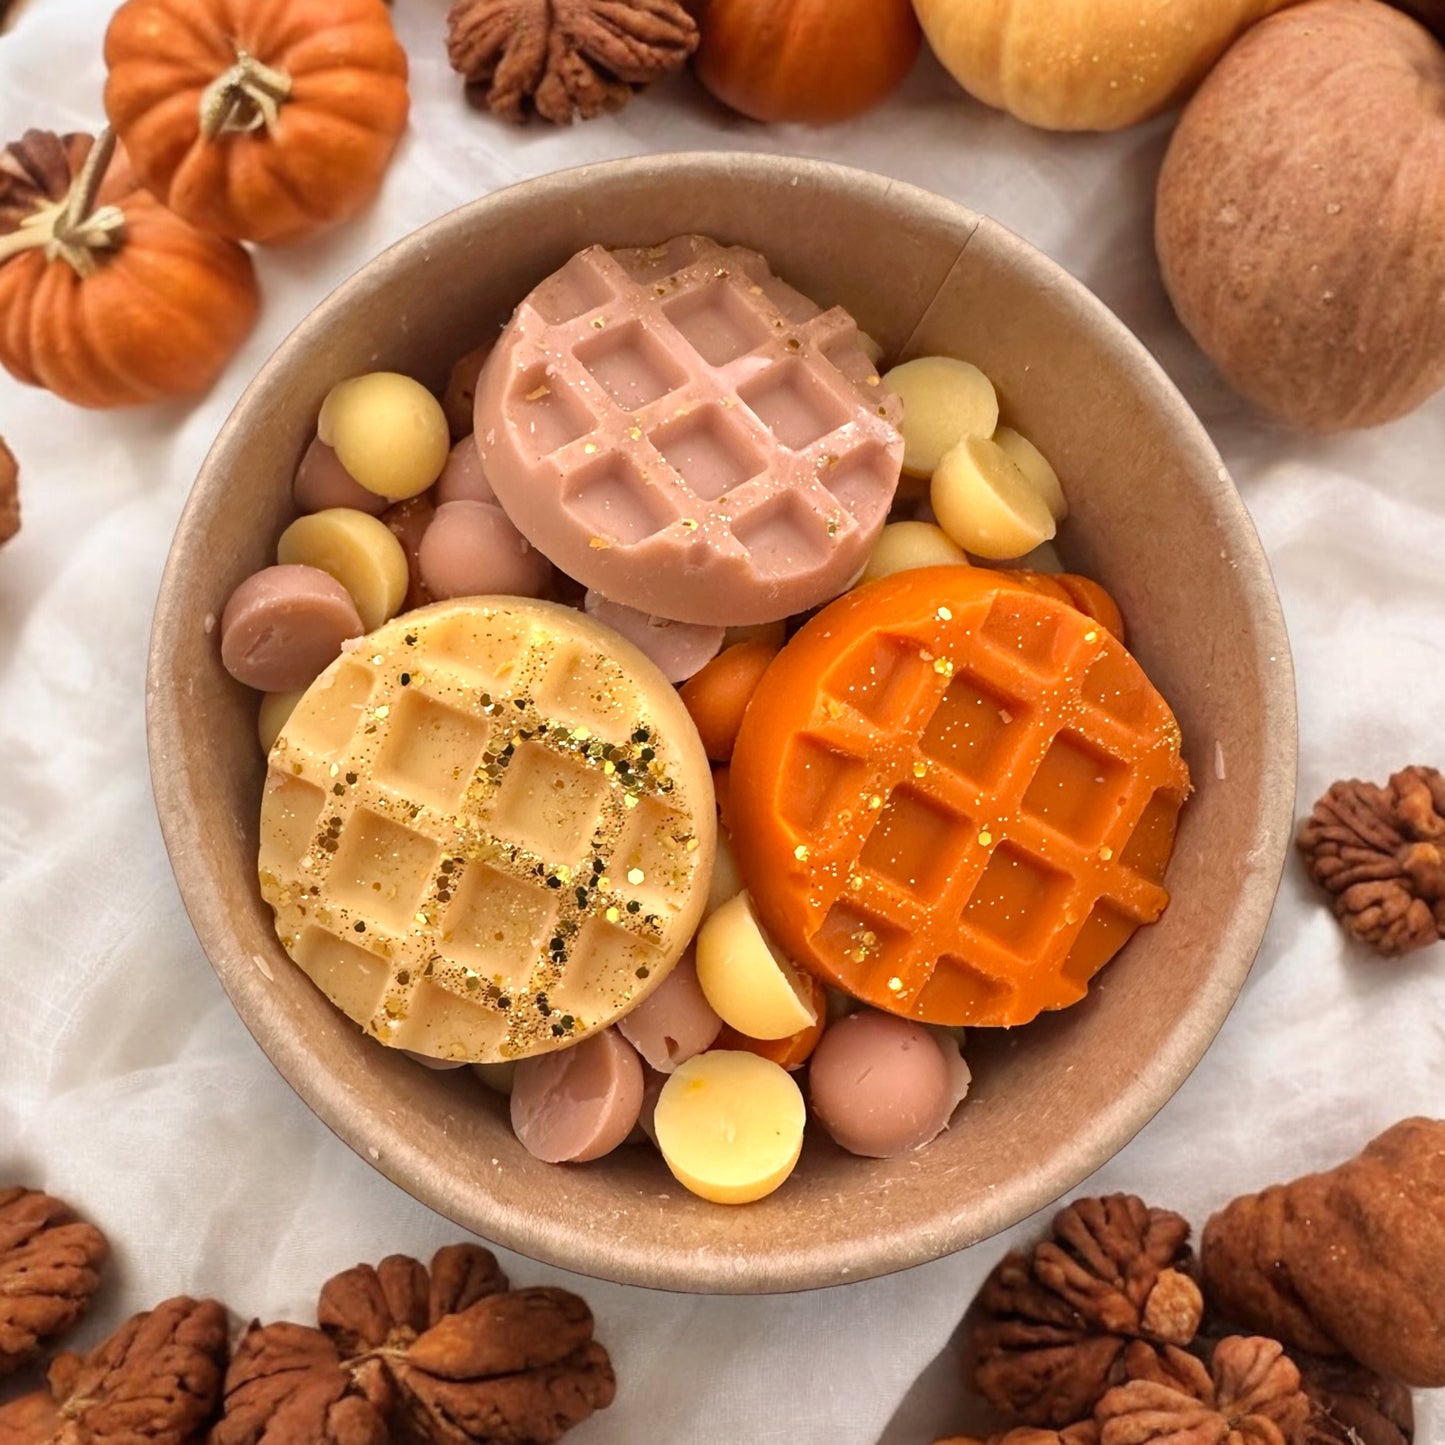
<point>247,97</point>
<point>71,230</point>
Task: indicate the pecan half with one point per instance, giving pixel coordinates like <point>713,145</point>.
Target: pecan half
<point>50,1261</point>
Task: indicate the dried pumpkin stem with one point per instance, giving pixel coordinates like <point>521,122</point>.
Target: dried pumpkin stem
<point>72,230</point>
<point>248,96</point>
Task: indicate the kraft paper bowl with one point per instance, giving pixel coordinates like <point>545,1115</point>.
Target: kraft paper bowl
<point>1154,517</point>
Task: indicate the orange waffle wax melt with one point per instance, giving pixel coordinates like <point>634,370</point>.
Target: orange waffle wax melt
<point>955,798</point>
<point>487,830</point>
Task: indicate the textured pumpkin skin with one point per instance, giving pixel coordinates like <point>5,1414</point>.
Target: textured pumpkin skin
<point>805,60</point>
<point>1301,215</point>
<point>159,318</point>
<point>1084,64</point>
<point>335,132</point>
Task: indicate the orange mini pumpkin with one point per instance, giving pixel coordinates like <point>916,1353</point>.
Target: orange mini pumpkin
<point>106,298</point>
<point>261,120</point>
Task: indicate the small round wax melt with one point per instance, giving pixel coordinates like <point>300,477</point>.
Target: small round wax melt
<point>358,551</point>
<point>678,648</point>
<point>407,521</point>
<point>437,1066</point>
<point>322,482</point>
<point>1036,468</point>
<point>775,632</point>
<point>792,1052</point>
<point>389,432</point>
<point>499,1078</point>
<point>902,546</point>
<point>985,503</point>
<point>727,880</point>
<point>471,549</point>
<point>459,400</point>
<point>276,707</point>
<point>283,625</point>
<point>730,1126</point>
<point>1044,558</point>
<point>462,479</point>
<point>717,695</point>
<point>881,1085</point>
<point>674,1022</point>
<point>944,401</point>
<point>577,1104</point>
<point>750,984</point>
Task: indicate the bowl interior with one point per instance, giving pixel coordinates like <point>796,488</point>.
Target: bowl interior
<point>1154,517</point>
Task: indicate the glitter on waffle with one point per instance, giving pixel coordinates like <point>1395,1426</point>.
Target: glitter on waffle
<point>487,829</point>
<point>684,433</point>
<point>956,799</point>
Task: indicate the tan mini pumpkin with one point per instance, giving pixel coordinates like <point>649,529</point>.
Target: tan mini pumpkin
<point>805,60</point>
<point>106,298</point>
<point>1084,64</point>
<point>1301,215</point>
<point>261,122</point>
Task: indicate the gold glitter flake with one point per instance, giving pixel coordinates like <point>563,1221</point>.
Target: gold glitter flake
<point>1091,636</point>
<point>635,876</point>
<point>1106,853</point>
<point>875,802</point>
<point>944,614</point>
<point>985,839</point>
<point>943,667</point>
<point>920,770</point>
<point>895,985</point>
<point>539,393</point>
<point>801,852</point>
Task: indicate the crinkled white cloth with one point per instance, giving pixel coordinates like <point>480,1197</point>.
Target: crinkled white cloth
<point>128,1084</point>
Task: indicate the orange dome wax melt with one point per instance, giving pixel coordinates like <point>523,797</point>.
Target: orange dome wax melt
<point>955,798</point>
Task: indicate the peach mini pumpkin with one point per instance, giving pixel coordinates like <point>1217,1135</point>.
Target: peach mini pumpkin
<point>106,298</point>
<point>261,122</point>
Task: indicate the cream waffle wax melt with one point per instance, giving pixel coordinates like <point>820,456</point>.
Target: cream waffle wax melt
<point>487,829</point>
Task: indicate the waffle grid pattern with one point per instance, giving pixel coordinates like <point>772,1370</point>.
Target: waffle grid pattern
<point>476,857</point>
<point>742,425</point>
<point>972,833</point>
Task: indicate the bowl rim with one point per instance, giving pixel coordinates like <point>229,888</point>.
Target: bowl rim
<point>575,1247</point>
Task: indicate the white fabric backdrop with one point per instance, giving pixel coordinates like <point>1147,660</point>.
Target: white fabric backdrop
<point>128,1085</point>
